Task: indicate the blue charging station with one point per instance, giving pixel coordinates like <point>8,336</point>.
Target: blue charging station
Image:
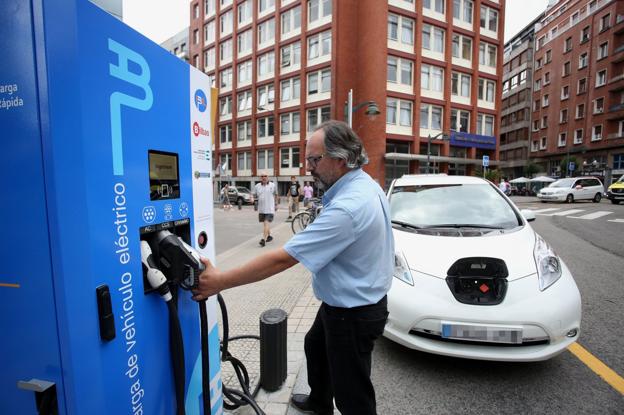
<point>106,143</point>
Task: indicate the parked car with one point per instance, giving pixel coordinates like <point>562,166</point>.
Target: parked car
<point>615,193</point>
<point>240,195</point>
<point>472,279</point>
<point>572,189</point>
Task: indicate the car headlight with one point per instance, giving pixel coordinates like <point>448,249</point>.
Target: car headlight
<point>548,264</point>
<point>401,269</point>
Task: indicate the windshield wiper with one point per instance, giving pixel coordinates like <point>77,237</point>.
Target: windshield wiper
<point>462,225</point>
<point>405,224</point>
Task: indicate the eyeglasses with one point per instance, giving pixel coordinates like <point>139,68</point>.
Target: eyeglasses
<point>313,161</point>
<point>263,175</point>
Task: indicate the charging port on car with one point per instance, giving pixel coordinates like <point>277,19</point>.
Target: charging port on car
<point>478,280</point>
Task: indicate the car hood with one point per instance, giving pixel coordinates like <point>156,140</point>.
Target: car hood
<point>434,255</point>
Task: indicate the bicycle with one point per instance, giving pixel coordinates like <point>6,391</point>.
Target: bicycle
<point>302,219</point>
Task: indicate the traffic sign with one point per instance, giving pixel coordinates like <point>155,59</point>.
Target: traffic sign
<point>571,166</point>
<point>486,161</point>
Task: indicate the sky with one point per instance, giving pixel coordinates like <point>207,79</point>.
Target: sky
<point>161,19</point>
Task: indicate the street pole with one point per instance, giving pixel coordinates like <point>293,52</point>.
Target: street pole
<point>428,152</point>
<point>350,108</point>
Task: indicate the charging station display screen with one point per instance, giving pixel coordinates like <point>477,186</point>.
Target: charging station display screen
<point>163,175</point>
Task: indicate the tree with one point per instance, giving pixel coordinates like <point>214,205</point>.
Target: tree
<point>566,162</point>
<point>530,169</point>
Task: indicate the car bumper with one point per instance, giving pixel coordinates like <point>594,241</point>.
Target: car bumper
<point>551,197</point>
<point>615,196</point>
<point>547,315</point>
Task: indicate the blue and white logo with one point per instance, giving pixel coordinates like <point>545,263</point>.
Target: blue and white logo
<point>200,100</point>
<point>184,209</point>
<point>149,214</point>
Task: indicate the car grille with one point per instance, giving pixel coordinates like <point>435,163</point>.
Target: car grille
<point>478,280</point>
<point>428,334</point>
<point>617,190</point>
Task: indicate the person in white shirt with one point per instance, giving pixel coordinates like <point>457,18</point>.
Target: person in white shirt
<point>264,192</point>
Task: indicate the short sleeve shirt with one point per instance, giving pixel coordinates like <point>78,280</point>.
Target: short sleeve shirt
<point>266,197</point>
<point>349,248</point>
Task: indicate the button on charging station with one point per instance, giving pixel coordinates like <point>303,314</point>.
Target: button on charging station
<point>202,239</point>
<point>105,313</point>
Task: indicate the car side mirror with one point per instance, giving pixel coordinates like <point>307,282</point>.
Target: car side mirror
<point>528,214</point>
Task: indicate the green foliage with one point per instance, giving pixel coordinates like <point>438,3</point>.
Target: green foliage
<point>564,165</point>
<point>530,169</point>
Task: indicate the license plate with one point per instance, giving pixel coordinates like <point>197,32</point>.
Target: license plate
<point>490,334</point>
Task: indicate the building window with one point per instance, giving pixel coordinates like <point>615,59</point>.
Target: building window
<point>290,89</point>
<point>582,86</point>
<point>434,5</point>
<point>401,29</point>
<point>545,121</point>
<point>265,127</point>
<point>563,116</point>
<point>543,143</point>
<point>291,20</point>
<point>462,10</point>
<point>583,60</point>
<point>603,50</point>
<point>225,50</point>
<point>487,55</point>
<point>243,130</point>
<point>225,3</point>
<point>460,120</point>
<point>596,133</point>
<point>534,145</point>
<point>265,159</point>
<point>245,42</point>
<point>431,117</point>
<point>319,82</point>
<point>402,75</point>
<point>316,116</point>
<point>244,73</point>
<point>598,105</point>
<point>244,101</point>
<point>226,161</point>
<point>209,7</point>
<point>209,32</point>
<point>580,111</point>
<point>266,31</point>
<point>209,58</point>
<point>290,55</point>
<point>486,90</point>
<point>462,47</point>
<point>565,92</point>
<point>431,78</point>
<point>196,11</point>
<point>601,78</point>
<point>319,45</point>
<point>289,157</point>
<point>605,22</point>
<point>536,105</point>
<point>244,160</point>
<point>618,161</point>
<point>538,84</point>
<point>578,136</point>
<point>433,38</point>
<point>545,100</point>
<point>536,125</point>
<point>318,9</point>
<point>585,34</point>
<point>195,36</point>
<point>548,56</point>
<point>266,65</point>
<point>225,23</point>
<point>225,78</point>
<point>266,95</point>
<point>265,5</point>
<point>566,69</point>
<point>567,45</point>
<point>546,78</point>
<point>225,106</point>
<point>399,112</point>
<point>562,139</point>
<point>460,84</point>
<point>290,123</point>
<point>225,134</point>
<point>489,19</point>
<point>485,124</point>
<point>244,13</point>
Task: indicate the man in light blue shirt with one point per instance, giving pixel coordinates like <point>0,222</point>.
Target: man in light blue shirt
<point>349,249</point>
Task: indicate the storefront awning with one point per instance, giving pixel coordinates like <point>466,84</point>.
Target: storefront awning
<point>437,159</point>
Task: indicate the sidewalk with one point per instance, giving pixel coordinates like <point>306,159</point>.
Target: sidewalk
<point>291,291</point>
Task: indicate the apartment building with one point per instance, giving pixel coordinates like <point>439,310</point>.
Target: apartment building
<point>178,44</point>
<point>432,67</point>
<point>578,88</point>
<point>517,90</point>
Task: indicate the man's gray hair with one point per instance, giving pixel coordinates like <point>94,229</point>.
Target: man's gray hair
<point>341,142</point>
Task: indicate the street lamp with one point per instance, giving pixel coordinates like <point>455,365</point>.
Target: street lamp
<point>444,136</point>
<point>371,110</point>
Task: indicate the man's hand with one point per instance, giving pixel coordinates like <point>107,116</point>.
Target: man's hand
<point>209,282</point>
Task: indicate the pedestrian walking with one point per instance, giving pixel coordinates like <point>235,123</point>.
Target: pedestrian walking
<point>349,249</point>
<point>292,197</point>
<point>307,194</point>
<point>225,197</point>
<point>266,195</point>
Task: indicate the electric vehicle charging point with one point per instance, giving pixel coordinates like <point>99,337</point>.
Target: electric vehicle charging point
<point>109,150</point>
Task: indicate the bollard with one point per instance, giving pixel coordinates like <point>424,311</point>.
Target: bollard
<point>273,361</point>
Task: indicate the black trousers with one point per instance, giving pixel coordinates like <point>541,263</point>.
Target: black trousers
<point>338,350</point>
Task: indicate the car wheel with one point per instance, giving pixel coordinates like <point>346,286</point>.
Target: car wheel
<point>239,202</point>
<point>569,198</point>
<point>597,198</point>
<point>543,201</point>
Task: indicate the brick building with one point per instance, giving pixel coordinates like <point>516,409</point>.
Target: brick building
<point>284,66</point>
<point>578,88</point>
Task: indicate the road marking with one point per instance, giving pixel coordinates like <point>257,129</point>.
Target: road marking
<point>540,211</point>
<point>8,285</point>
<point>594,215</point>
<point>616,220</point>
<point>599,368</point>
<point>565,212</point>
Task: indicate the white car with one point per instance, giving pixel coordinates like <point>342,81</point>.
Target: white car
<point>571,189</point>
<point>472,278</point>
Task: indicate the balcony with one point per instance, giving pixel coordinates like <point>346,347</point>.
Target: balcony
<point>618,55</point>
<point>615,112</point>
<point>616,83</point>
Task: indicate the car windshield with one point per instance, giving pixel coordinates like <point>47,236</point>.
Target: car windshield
<point>454,205</point>
<point>621,179</point>
<point>243,189</point>
<point>562,183</point>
